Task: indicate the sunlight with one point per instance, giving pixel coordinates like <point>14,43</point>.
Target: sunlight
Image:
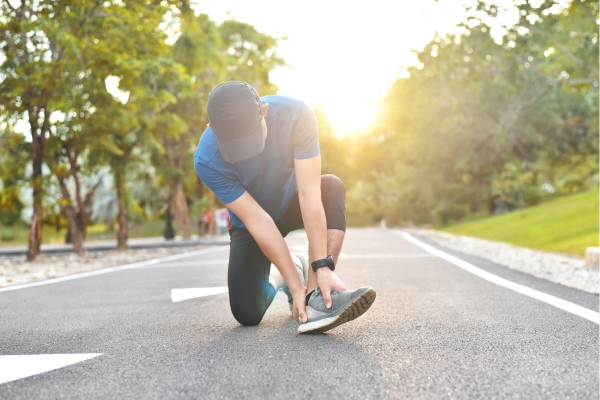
<point>350,116</point>
<point>345,76</point>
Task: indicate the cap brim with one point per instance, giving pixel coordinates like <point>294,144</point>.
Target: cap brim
<point>243,149</point>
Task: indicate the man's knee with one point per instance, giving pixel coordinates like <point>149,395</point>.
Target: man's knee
<point>333,194</point>
<point>333,186</point>
<point>249,303</point>
<point>246,313</point>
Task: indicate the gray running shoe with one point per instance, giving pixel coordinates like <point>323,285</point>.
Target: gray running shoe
<point>301,262</point>
<point>346,306</point>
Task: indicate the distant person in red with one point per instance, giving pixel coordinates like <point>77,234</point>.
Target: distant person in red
<point>206,220</point>
<point>229,224</point>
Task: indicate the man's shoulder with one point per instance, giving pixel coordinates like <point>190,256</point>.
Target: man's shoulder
<point>284,106</point>
<point>279,99</point>
<point>207,147</point>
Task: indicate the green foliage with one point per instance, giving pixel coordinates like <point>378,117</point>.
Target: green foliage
<point>567,224</point>
<point>13,156</point>
<point>249,55</point>
<point>59,56</point>
<point>480,125</point>
<point>207,54</point>
<point>10,207</point>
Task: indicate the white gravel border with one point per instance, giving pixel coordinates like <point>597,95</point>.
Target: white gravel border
<point>564,269</point>
<point>14,270</point>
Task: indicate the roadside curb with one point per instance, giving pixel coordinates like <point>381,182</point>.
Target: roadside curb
<point>112,245</point>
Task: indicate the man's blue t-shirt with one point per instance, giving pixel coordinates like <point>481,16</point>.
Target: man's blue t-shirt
<point>269,177</point>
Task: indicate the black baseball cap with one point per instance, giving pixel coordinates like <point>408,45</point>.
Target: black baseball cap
<point>235,116</point>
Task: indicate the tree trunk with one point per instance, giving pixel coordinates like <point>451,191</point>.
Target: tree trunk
<point>37,155</point>
<point>35,232</point>
<point>180,209</point>
<point>123,231</point>
<point>169,232</point>
<point>80,220</point>
<point>201,227</point>
<point>76,234</point>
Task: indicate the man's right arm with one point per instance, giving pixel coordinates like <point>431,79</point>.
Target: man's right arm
<point>269,239</point>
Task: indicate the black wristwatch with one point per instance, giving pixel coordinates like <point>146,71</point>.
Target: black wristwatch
<point>326,262</point>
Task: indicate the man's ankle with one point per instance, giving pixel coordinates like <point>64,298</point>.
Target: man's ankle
<point>308,296</point>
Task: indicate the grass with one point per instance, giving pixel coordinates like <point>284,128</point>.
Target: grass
<point>18,235</point>
<point>566,224</point>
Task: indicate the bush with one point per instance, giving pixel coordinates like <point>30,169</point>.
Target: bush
<point>7,236</point>
<point>446,212</point>
<point>10,208</point>
<point>532,195</point>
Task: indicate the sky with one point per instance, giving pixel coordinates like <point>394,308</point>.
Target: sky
<point>342,54</point>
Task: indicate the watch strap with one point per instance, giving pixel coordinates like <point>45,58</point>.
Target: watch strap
<point>325,262</point>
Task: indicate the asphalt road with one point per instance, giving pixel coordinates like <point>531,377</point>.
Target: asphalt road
<point>435,331</point>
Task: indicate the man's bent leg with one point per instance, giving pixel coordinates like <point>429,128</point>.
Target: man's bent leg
<point>335,239</point>
<point>333,194</point>
<point>250,293</point>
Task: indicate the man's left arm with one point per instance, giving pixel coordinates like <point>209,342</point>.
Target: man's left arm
<point>308,177</point>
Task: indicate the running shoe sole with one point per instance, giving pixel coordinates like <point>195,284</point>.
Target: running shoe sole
<point>351,312</point>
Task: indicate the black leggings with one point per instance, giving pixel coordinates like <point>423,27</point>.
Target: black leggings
<point>250,293</point>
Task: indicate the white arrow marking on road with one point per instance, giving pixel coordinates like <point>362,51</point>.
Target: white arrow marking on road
<point>192,293</point>
<point>21,366</point>
<point>527,291</point>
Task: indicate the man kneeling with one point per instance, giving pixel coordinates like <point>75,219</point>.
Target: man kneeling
<point>261,157</point>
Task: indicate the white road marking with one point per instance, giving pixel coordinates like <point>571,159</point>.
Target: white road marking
<point>21,366</point>
<point>187,263</point>
<point>527,291</point>
<point>192,293</point>
<point>405,255</point>
<point>117,268</point>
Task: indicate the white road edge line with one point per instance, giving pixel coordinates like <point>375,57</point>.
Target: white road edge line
<point>527,291</point>
<point>187,264</point>
<point>400,255</point>
<point>115,269</point>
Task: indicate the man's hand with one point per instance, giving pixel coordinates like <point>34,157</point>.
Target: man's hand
<point>299,297</point>
<point>328,281</point>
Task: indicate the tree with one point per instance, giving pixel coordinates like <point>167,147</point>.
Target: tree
<point>209,54</point>
<point>482,122</point>
<point>123,124</point>
<point>180,126</point>
<point>40,40</point>
<point>567,35</point>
